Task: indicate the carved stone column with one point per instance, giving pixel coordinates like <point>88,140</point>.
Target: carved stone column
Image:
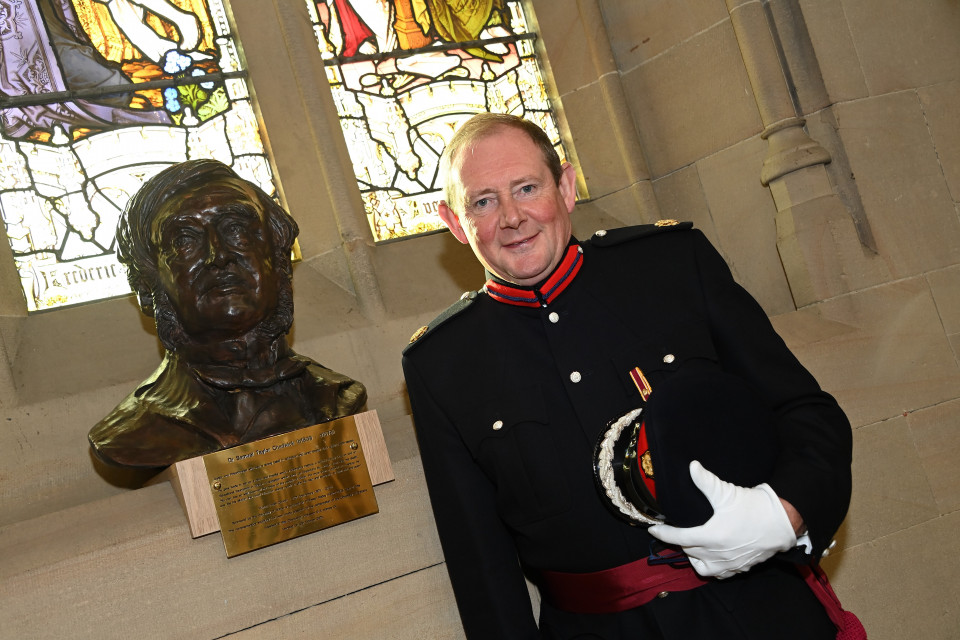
<point>815,235</point>
<point>790,148</point>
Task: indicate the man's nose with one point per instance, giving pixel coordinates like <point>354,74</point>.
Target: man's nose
<point>511,214</point>
<point>217,250</point>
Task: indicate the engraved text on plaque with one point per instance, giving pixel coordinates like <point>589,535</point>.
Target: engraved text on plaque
<point>289,485</point>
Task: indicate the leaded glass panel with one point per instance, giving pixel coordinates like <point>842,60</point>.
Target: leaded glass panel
<point>96,96</point>
<point>405,74</point>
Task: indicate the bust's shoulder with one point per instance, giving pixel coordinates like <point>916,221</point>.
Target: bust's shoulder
<point>140,434</point>
<point>458,309</point>
<point>610,238</point>
<point>333,394</point>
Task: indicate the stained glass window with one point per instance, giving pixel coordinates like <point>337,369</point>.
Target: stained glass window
<point>405,74</point>
<point>96,96</point>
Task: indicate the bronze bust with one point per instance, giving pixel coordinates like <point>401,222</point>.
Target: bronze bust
<point>208,255</point>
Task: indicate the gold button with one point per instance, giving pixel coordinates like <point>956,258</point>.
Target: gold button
<point>554,317</point>
<point>669,358</point>
<point>575,377</point>
<point>663,594</point>
<point>601,233</point>
<point>498,425</point>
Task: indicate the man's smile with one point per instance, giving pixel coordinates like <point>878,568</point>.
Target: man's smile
<point>520,244</point>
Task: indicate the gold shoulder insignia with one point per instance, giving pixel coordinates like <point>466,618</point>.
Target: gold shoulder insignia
<point>665,223</point>
<point>418,334</point>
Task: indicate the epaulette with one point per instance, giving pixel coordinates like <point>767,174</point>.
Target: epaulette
<point>456,308</point>
<point>611,237</point>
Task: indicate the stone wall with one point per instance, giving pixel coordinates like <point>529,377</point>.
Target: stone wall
<point>671,107</point>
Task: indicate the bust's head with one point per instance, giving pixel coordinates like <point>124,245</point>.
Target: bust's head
<point>208,254</point>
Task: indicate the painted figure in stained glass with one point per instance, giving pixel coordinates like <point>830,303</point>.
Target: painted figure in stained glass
<point>401,91</point>
<point>366,27</point>
<point>38,60</point>
<point>80,45</point>
<point>131,18</point>
<point>463,22</point>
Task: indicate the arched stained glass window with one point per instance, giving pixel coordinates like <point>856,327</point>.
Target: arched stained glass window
<point>96,96</point>
<point>405,74</point>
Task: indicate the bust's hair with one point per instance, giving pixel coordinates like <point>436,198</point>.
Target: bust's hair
<point>473,131</point>
<point>137,251</point>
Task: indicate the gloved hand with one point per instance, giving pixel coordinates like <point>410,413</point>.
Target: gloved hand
<point>747,527</point>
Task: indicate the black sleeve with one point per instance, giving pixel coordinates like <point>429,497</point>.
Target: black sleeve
<point>813,469</point>
<point>481,557</point>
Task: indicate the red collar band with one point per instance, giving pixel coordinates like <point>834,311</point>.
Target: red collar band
<point>548,290</point>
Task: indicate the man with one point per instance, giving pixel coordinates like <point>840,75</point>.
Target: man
<point>512,386</point>
<point>208,255</point>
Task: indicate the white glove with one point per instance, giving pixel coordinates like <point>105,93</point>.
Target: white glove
<point>747,527</point>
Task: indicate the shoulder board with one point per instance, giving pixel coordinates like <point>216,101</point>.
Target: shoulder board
<point>611,237</point>
<point>457,307</point>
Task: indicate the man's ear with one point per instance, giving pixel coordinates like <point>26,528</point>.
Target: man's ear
<point>568,186</point>
<point>452,221</point>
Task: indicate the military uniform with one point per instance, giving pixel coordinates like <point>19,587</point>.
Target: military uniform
<point>511,388</point>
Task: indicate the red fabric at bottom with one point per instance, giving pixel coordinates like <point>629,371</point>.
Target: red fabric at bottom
<point>616,589</point>
<point>848,625</point>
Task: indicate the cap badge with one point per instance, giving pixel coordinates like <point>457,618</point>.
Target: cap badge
<point>646,464</point>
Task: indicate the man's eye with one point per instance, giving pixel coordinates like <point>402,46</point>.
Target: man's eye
<point>527,188</point>
<point>235,230</point>
<point>481,203</point>
<point>240,230</point>
<point>183,242</point>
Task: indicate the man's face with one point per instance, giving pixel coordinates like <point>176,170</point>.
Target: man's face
<point>215,259</point>
<point>513,215</point>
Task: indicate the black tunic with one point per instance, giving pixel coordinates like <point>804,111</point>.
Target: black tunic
<point>509,403</point>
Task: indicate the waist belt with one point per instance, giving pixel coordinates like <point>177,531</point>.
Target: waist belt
<point>616,589</point>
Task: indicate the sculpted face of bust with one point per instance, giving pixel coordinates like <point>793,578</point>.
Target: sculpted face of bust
<point>215,258</point>
<point>209,256</point>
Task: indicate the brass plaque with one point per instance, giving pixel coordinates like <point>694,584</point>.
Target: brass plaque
<point>289,485</point>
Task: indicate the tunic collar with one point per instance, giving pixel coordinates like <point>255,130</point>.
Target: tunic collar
<point>545,292</point>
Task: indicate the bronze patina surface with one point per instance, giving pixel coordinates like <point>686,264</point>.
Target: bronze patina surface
<point>289,485</point>
<point>208,254</point>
